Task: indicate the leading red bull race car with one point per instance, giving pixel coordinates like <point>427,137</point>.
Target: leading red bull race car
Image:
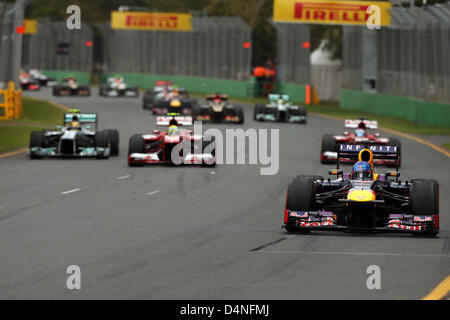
<point>363,200</point>
<point>174,146</point>
<point>361,136</point>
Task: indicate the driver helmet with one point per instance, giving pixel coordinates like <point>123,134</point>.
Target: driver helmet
<point>75,124</point>
<point>360,133</point>
<point>362,170</point>
<point>173,130</point>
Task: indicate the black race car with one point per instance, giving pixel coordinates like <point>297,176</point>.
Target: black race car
<point>363,201</point>
<point>218,110</point>
<point>70,87</point>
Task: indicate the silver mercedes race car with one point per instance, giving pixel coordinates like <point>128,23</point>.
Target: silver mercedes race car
<point>280,109</point>
<point>78,137</point>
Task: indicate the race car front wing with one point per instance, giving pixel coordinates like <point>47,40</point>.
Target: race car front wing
<point>327,220</point>
<point>85,152</point>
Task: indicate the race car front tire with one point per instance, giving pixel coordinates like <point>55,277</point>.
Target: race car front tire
<point>424,200</point>
<point>240,114</point>
<point>303,112</point>
<point>259,108</point>
<point>328,144</point>
<point>136,144</point>
<point>114,141</point>
<point>300,197</point>
<point>102,141</point>
<point>36,141</point>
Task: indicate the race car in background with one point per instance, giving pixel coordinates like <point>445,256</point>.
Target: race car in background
<point>77,137</point>
<point>280,109</point>
<point>161,89</point>
<point>363,200</point>
<point>28,83</point>
<point>360,136</point>
<point>117,87</point>
<point>42,79</point>
<point>218,110</point>
<point>71,87</point>
<point>158,147</point>
<point>172,100</point>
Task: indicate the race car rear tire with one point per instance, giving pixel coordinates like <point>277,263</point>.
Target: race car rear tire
<point>103,89</point>
<point>259,108</point>
<point>424,200</point>
<point>102,141</point>
<point>328,144</point>
<point>396,142</point>
<point>36,141</point>
<point>300,197</point>
<point>136,144</point>
<point>114,141</point>
<point>56,91</point>
<point>240,114</point>
<point>303,112</point>
<point>205,144</point>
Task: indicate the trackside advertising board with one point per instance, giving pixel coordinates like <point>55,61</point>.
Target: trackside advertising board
<point>330,12</point>
<point>151,21</point>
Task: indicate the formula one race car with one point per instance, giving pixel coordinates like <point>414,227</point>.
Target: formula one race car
<point>116,87</point>
<point>70,87</point>
<point>42,79</point>
<point>161,89</point>
<point>363,200</point>
<point>219,110</point>
<point>172,100</point>
<point>175,146</point>
<point>328,152</point>
<point>280,109</point>
<point>28,83</point>
<point>76,138</point>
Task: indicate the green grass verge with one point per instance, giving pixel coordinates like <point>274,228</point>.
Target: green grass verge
<point>36,115</point>
<point>334,110</point>
<point>15,137</point>
<point>446,146</point>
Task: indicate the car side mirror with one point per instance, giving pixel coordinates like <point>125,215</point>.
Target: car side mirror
<point>335,172</point>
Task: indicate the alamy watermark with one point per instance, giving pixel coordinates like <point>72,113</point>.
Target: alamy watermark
<point>73,281</point>
<point>374,280</point>
<point>232,148</point>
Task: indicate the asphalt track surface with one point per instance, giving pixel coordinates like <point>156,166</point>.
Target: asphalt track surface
<point>197,233</point>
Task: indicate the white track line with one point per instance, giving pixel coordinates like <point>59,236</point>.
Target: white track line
<point>71,191</point>
<point>153,192</point>
<point>337,253</point>
<point>124,177</point>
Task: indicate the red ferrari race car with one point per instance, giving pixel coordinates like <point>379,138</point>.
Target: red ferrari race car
<point>361,136</point>
<point>174,146</point>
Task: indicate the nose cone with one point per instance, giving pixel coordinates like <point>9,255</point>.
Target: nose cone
<point>361,195</point>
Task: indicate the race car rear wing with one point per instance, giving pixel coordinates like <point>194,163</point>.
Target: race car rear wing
<point>369,124</point>
<point>275,97</point>
<point>212,97</point>
<point>351,151</point>
<point>83,118</point>
<point>175,120</point>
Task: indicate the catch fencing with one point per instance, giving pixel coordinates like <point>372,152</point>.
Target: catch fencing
<point>55,47</point>
<point>217,47</point>
<point>293,61</point>
<point>411,56</point>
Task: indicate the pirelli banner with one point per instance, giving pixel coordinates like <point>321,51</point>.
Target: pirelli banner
<point>331,12</point>
<point>151,21</point>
